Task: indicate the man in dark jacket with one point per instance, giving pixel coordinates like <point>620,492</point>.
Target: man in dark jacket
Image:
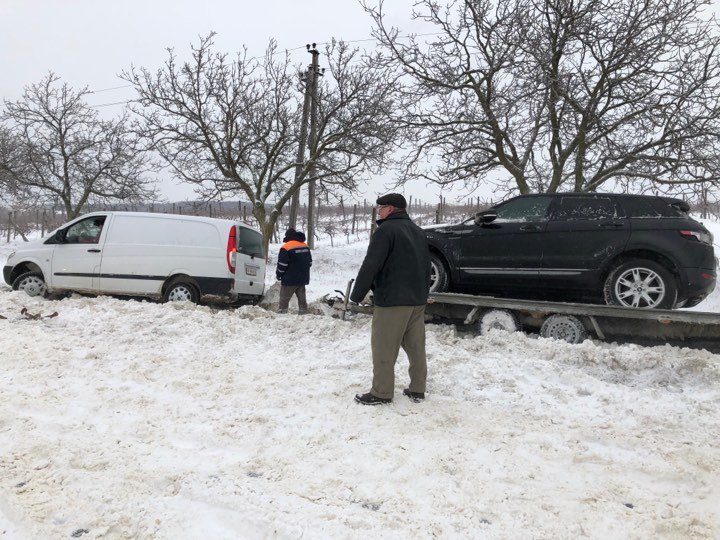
<point>293,270</point>
<point>397,269</point>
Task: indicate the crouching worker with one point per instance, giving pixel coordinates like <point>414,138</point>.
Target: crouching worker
<point>293,270</point>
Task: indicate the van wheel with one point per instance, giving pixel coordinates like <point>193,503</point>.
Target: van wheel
<point>641,283</point>
<point>181,291</point>
<point>439,277</point>
<point>32,283</point>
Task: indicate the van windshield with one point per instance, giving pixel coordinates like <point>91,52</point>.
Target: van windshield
<point>250,242</point>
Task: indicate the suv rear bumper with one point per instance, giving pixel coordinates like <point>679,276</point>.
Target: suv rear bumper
<point>7,271</point>
<point>696,284</point>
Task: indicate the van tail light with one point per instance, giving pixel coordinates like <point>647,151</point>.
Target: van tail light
<point>705,238</point>
<point>231,248</point>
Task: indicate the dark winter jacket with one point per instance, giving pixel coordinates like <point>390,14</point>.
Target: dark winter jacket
<point>397,264</point>
<point>294,260</point>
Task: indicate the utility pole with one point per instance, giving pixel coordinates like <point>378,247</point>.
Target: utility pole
<point>307,78</point>
<point>312,143</point>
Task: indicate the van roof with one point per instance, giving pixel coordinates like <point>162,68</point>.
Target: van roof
<point>202,219</point>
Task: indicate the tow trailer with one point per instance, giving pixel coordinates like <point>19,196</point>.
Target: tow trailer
<point>572,322</point>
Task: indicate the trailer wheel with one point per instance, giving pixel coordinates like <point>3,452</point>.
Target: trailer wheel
<point>439,277</point>
<point>498,319</point>
<point>566,327</point>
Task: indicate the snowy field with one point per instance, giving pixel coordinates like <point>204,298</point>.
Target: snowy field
<point>128,419</point>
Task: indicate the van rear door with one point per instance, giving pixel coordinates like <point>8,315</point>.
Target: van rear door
<point>249,263</point>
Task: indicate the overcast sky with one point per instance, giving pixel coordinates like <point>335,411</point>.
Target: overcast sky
<point>89,42</point>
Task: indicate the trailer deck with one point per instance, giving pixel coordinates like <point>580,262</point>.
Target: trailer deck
<point>572,322</point>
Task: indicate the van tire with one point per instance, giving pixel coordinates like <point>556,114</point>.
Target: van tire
<point>181,290</point>
<point>33,283</point>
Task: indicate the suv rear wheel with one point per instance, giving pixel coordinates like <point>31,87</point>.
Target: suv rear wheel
<point>439,277</point>
<point>641,283</point>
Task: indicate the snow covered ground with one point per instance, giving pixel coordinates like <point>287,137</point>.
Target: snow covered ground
<point>128,419</point>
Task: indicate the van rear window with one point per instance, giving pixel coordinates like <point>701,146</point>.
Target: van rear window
<point>250,242</point>
<point>163,232</point>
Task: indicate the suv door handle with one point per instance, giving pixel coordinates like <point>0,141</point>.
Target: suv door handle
<point>529,228</point>
<point>93,251</point>
<point>612,224</point>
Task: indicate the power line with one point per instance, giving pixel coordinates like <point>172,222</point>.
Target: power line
<point>258,57</point>
<point>108,89</point>
<point>110,104</point>
<point>285,51</point>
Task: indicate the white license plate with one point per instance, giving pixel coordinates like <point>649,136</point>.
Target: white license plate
<point>251,270</point>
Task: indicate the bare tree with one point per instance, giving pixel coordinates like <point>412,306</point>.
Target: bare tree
<point>560,95</point>
<point>11,192</point>
<point>231,126</point>
<point>58,149</point>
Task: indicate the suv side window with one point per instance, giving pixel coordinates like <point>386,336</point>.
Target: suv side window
<point>86,231</point>
<point>585,208</point>
<point>635,207</point>
<point>523,209</point>
<point>665,209</point>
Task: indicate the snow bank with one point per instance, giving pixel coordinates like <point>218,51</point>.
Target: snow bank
<point>136,419</point>
<point>127,419</point>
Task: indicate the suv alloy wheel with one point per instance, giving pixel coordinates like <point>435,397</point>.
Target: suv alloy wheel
<point>641,283</point>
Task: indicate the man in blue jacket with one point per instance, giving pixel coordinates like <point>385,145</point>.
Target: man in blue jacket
<point>293,270</point>
<point>397,269</point>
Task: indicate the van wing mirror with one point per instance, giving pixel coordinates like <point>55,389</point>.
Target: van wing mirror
<point>57,238</point>
<point>485,217</point>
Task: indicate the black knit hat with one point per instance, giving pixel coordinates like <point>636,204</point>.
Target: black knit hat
<point>394,199</point>
<point>289,235</point>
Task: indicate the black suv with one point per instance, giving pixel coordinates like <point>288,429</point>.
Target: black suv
<point>628,250</point>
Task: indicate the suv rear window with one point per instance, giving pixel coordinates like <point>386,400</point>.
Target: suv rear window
<point>572,208</point>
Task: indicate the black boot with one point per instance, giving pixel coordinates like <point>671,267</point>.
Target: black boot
<point>369,399</point>
<point>417,397</point>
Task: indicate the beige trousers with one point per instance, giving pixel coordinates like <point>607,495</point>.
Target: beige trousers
<point>286,293</point>
<point>393,327</point>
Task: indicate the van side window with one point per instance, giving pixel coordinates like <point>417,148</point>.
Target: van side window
<point>86,231</point>
<point>250,242</point>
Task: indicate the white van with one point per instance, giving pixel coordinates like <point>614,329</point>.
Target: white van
<point>164,256</point>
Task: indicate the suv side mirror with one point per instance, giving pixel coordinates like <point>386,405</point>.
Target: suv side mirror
<point>485,217</point>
